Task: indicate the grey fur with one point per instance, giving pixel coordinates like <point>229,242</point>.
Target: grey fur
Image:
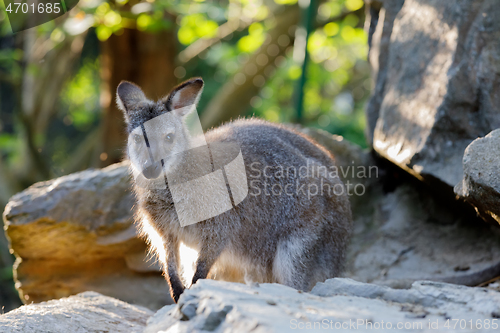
<point>294,239</point>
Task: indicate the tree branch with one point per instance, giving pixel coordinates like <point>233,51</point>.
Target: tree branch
<point>226,29</point>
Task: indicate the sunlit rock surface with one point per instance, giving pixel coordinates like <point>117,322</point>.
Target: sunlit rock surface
<point>87,312</point>
<point>75,233</point>
<point>338,304</point>
<point>437,66</point>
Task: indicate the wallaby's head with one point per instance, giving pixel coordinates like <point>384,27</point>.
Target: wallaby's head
<point>159,126</point>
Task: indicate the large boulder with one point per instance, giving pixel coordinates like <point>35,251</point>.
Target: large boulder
<point>76,233</point>
<point>84,313</point>
<point>481,183</point>
<point>437,76</point>
<point>337,304</point>
<point>380,16</point>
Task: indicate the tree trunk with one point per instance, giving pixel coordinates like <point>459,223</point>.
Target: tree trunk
<point>40,92</point>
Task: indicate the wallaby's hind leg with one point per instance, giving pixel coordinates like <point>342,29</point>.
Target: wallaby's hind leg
<point>295,261</point>
<point>208,255</point>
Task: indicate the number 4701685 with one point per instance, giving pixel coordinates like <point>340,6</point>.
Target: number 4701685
<point>40,8</point>
<point>471,324</point>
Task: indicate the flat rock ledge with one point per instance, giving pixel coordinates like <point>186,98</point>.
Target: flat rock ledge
<point>339,304</point>
<point>85,312</point>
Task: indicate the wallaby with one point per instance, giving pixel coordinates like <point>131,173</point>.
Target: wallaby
<point>292,227</point>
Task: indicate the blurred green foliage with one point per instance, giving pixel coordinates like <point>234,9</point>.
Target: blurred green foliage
<point>80,97</point>
<point>335,92</point>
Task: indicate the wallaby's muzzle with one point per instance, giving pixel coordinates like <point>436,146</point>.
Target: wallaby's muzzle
<point>152,171</point>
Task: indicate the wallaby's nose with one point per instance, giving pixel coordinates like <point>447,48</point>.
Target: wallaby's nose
<point>152,171</point>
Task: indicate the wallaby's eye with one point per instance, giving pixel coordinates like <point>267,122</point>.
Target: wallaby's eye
<point>169,137</point>
<point>137,138</point>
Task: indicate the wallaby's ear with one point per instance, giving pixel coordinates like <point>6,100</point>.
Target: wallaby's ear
<point>128,95</point>
<point>184,95</point>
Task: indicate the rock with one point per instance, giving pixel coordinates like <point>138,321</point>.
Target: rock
<point>216,306</point>
<point>410,235</point>
<point>337,304</point>
<point>426,293</point>
<point>76,233</point>
<point>437,84</point>
<point>481,183</point>
<point>436,66</point>
<point>85,312</point>
<point>380,15</point>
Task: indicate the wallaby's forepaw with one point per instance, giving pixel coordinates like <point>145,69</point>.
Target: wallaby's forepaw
<point>176,293</point>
